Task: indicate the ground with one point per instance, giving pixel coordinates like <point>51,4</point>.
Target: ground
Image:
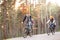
<point>56,36</point>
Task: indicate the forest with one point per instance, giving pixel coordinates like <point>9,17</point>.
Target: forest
<point>12,13</point>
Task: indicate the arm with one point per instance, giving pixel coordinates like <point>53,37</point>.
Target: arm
<point>54,22</point>
<point>48,21</point>
<point>24,18</point>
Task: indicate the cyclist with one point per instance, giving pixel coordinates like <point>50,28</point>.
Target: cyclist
<point>28,22</point>
<point>52,24</point>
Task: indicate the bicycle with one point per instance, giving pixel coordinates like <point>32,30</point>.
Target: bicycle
<point>27,32</point>
<point>51,29</point>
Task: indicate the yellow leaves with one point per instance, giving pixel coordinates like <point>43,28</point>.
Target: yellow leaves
<point>24,8</point>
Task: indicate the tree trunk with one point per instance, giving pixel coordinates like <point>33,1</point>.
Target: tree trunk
<point>4,19</point>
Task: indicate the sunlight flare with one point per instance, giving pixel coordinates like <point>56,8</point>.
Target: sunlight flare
<point>18,3</point>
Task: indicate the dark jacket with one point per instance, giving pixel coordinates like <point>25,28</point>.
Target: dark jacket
<point>28,19</point>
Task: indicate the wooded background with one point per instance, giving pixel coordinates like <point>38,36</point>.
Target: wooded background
<point>11,16</point>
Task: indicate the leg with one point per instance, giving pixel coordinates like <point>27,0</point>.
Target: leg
<point>30,33</point>
<point>52,30</point>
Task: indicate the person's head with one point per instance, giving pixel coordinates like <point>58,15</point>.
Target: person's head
<point>51,18</point>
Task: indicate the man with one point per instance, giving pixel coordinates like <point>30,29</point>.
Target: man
<point>28,22</point>
<point>52,24</point>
